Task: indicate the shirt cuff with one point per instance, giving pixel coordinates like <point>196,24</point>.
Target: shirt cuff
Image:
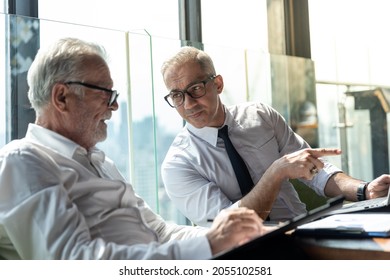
<point>235,205</point>
<point>195,249</point>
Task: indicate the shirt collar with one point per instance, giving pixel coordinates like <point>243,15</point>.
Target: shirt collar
<point>59,143</point>
<point>210,134</point>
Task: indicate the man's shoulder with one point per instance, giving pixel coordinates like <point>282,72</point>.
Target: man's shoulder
<point>15,146</point>
<point>22,148</point>
<point>248,108</point>
<point>181,140</point>
<point>184,148</point>
<point>250,105</point>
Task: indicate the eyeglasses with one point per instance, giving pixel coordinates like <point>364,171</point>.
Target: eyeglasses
<point>113,94</point>
<point>176,97</point>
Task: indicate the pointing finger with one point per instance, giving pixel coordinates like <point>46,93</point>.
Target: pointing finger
<point>320,152</point>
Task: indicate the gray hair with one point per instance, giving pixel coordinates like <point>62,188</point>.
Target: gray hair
<point>60,62</point>
<point>190,54</point>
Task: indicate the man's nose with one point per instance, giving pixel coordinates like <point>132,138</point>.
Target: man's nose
<point>114,106</point>
<point>189,102</point>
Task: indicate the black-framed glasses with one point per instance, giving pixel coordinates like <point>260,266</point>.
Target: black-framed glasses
<point>113,94</point>
<point>176,97</point>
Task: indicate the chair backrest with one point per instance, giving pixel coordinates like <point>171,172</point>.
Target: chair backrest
<point>307,195</point>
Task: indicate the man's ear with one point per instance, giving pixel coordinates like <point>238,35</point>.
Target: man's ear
<point>219,82</point>
<point>59,94</point>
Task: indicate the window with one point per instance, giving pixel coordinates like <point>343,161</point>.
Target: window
<point>235,24</point>
<point>351,57</point>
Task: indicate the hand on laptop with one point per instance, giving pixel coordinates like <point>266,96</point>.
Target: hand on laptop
<point>379,187</point>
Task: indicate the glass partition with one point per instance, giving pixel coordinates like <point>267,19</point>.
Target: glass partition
<point>154,124</point>
<point>160,18</point>
<point>167,122</point>
<point>3,77</point>
<point>230,63</point>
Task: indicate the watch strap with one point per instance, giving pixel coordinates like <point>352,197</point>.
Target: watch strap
<point>361,191</point>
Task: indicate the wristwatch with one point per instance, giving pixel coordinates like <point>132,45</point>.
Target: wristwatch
<point>361,191</point>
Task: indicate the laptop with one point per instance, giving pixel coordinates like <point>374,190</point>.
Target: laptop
<point>380,204</point>
<point>275,244</point>
<point>359,225</point>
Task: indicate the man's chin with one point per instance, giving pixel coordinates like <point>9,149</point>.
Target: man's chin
<point>101,136</point>
<point>196,124</point>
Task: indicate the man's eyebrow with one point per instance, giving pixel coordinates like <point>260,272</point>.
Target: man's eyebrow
<point>189,85</point>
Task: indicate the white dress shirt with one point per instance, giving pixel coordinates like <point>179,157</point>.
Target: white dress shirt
<point>199,177</point>
<point>58,201</point>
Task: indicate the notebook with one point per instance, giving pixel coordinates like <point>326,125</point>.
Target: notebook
<point>263,246</point>
<point>348,225</point>
<point>380,204</point>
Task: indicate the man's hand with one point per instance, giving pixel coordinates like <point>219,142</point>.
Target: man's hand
<point>378,187</point>
<point>233,227</point>
<point>304,163</point>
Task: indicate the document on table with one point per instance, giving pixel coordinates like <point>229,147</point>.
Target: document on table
<point>349,225</point>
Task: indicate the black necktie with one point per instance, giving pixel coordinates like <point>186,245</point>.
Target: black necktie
<point>243,177</point>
